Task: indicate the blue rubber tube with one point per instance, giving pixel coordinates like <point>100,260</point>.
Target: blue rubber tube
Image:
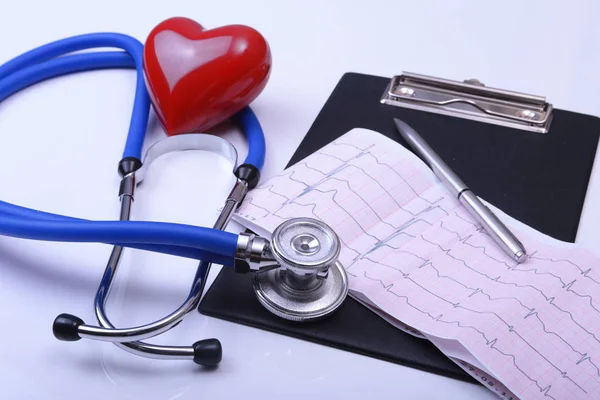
<point>255,135</point>
<point>141,107</point>
<point>10,210</point>
<point>111,232</point>
<point>62,66</point>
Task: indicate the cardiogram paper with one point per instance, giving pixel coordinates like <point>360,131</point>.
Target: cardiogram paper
<point>415,256</point>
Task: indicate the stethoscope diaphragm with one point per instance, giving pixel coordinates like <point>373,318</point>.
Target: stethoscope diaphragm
<point>309,282</point>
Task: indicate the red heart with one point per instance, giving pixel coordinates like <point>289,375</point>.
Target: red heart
<point>198,78</point>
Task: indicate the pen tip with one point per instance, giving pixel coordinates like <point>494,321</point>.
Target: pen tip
<point>404,129</point>
<point>400,125</point>
<point>520,257</point>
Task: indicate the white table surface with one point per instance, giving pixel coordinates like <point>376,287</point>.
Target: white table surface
<point>62,141</point>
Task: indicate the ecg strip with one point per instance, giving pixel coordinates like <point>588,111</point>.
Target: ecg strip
<point>414,253</point>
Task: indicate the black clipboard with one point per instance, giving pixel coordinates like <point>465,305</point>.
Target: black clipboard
<point>536,171</point>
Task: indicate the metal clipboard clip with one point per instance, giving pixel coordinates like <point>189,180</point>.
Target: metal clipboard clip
<point>469,99</point>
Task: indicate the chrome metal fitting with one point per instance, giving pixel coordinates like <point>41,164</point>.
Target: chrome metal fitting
<point>127,186</point>
<point>239,191</point>
<point>253,248</point>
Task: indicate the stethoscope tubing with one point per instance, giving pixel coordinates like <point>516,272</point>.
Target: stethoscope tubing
<point>254,135</point>
<point>13,73</point>
<point>181,240</point>
<point>37,65</point>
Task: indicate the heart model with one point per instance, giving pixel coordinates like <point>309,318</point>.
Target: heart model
<point>198,78</point>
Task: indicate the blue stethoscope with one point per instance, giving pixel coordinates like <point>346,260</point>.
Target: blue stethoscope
<point>302,253</point>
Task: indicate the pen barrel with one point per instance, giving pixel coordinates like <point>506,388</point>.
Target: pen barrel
<point>450,180</point>
<point>493,226</point>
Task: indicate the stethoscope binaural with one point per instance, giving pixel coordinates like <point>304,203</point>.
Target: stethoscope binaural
<point>297,273</point>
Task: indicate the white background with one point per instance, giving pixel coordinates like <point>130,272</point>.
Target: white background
<point>61,142</point>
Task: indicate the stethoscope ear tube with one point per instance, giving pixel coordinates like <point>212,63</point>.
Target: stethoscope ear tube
<point>161,237</point>
<point>206,352</point>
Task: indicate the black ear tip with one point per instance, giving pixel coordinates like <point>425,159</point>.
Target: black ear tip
<point>65,327</point>
<point>208,352</point>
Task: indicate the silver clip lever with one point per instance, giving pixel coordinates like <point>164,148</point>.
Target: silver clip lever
<point>469,99</point>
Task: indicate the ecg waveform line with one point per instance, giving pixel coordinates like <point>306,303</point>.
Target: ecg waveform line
<point>338,189</point>
<point>438,318</point>
<point>475,291</point>
<point>490,342</point>
<point>406,275</point>
<point>582,271</point>
<point>547,298</point>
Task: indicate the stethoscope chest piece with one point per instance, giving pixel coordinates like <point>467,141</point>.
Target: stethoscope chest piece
<point>309,282</point>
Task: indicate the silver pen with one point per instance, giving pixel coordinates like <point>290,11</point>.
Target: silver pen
<point>490,222</point>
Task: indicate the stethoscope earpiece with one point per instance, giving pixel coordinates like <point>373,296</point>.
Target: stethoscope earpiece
<point>208,352</point>
<point>66,327</point>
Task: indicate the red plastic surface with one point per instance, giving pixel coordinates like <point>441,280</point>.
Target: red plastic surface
<point>198,78</point>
